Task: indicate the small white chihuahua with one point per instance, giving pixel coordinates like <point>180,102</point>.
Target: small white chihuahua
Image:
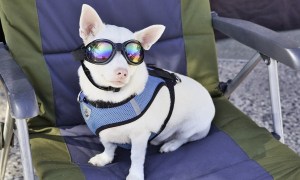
<point>114,77</point>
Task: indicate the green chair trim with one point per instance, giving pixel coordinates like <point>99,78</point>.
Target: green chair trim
<point>275,157</point>
<point>23,39</point>
<point>200,44</point>
<point>51,157</point>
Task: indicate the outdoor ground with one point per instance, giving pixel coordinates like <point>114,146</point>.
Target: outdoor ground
<point>252,97</point>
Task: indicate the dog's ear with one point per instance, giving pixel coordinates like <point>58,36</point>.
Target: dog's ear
<point>90,23</point>
<point>149,35</point>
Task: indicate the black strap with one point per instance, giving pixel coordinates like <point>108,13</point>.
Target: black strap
<point>105,104</point>
<point>172,98</point>
<point>79,53</point>
<point>167,76</point>
<point>171,80</point>
<point>88,75</point>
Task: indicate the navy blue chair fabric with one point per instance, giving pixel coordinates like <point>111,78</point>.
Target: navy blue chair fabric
<point>60,35</point>
<point>216,157</point>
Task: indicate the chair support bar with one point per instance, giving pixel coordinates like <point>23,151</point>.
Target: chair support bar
<point>7,137</point>
<point>23,137</point>
<point>275,99</point>
<point>231,85</point>
<point>239,78</point>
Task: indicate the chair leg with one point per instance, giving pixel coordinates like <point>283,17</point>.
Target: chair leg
<point>7,137</point>
<point>23,138</point>
<point>275,99</point>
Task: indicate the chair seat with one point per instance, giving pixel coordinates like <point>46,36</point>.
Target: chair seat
<point>231,151</point>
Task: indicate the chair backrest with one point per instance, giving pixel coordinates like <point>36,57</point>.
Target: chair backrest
<point>42,33</point>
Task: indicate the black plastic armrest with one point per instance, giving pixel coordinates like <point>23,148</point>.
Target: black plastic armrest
<point>20,93</point>
<point>264,40</point>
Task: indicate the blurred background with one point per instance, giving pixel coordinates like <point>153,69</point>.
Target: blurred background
<point>278,15</point>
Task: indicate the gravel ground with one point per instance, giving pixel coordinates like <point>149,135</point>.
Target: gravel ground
<point>252,97</point>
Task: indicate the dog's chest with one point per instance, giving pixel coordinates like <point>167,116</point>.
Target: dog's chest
<point>131,110</point>
<point>150,121</point>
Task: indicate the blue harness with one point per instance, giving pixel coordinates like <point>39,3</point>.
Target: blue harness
<point>102,115</point>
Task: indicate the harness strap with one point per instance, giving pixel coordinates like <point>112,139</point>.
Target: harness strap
<point>157,72</point>
<point>105,104</point>
<point>172,97</point>
<point>171,80</point>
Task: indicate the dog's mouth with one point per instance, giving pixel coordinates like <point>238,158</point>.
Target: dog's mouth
<point>118,83</point>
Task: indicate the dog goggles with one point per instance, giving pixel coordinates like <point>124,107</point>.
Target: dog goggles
<point>102,51</point>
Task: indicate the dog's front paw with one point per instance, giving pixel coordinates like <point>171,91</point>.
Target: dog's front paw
<point>132,176</point>
<point>100,160</point>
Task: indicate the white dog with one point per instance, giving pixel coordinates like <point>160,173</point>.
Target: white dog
<point>192,113</point>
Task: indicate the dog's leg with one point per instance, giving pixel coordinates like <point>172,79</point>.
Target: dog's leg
<point>178,140</point>
<point>106,156</point>
<point>173,144</point>
<point>138,153</point>
<point>181,138</point>
<point>163,137</point>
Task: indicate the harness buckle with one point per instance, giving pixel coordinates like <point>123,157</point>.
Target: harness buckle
<point>79,99</point>
<point>176,78</point>
<point>119,46</point>
<point>113,89</point>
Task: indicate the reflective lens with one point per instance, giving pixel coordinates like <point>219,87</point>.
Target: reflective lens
<point>134,52</point>
<point>99,51</point>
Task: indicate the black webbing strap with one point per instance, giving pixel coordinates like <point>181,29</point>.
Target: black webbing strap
<point>89,76</point>
<point>157,72</point>
<point>79,53</point>
<point>172,98</point>
<point>171,80</point>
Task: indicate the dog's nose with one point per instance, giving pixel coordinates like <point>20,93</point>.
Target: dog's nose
<point>121,73</point>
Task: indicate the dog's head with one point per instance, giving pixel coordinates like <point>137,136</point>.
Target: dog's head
<point>118,72</point>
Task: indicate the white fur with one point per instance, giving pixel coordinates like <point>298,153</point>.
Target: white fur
<point>193,109</point>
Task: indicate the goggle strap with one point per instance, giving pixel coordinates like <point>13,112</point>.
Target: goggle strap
<point>88,75</point>
<point>119,46</point>
<point>79,53</point>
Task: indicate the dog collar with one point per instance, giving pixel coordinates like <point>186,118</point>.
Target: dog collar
<point>88,75</point>
<point>105,104</point>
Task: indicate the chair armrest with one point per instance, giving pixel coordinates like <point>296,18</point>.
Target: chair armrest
<point>20,93</point>
<point>265,41</point>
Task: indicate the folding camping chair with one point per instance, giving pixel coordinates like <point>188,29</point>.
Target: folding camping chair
<point>40,77</point>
